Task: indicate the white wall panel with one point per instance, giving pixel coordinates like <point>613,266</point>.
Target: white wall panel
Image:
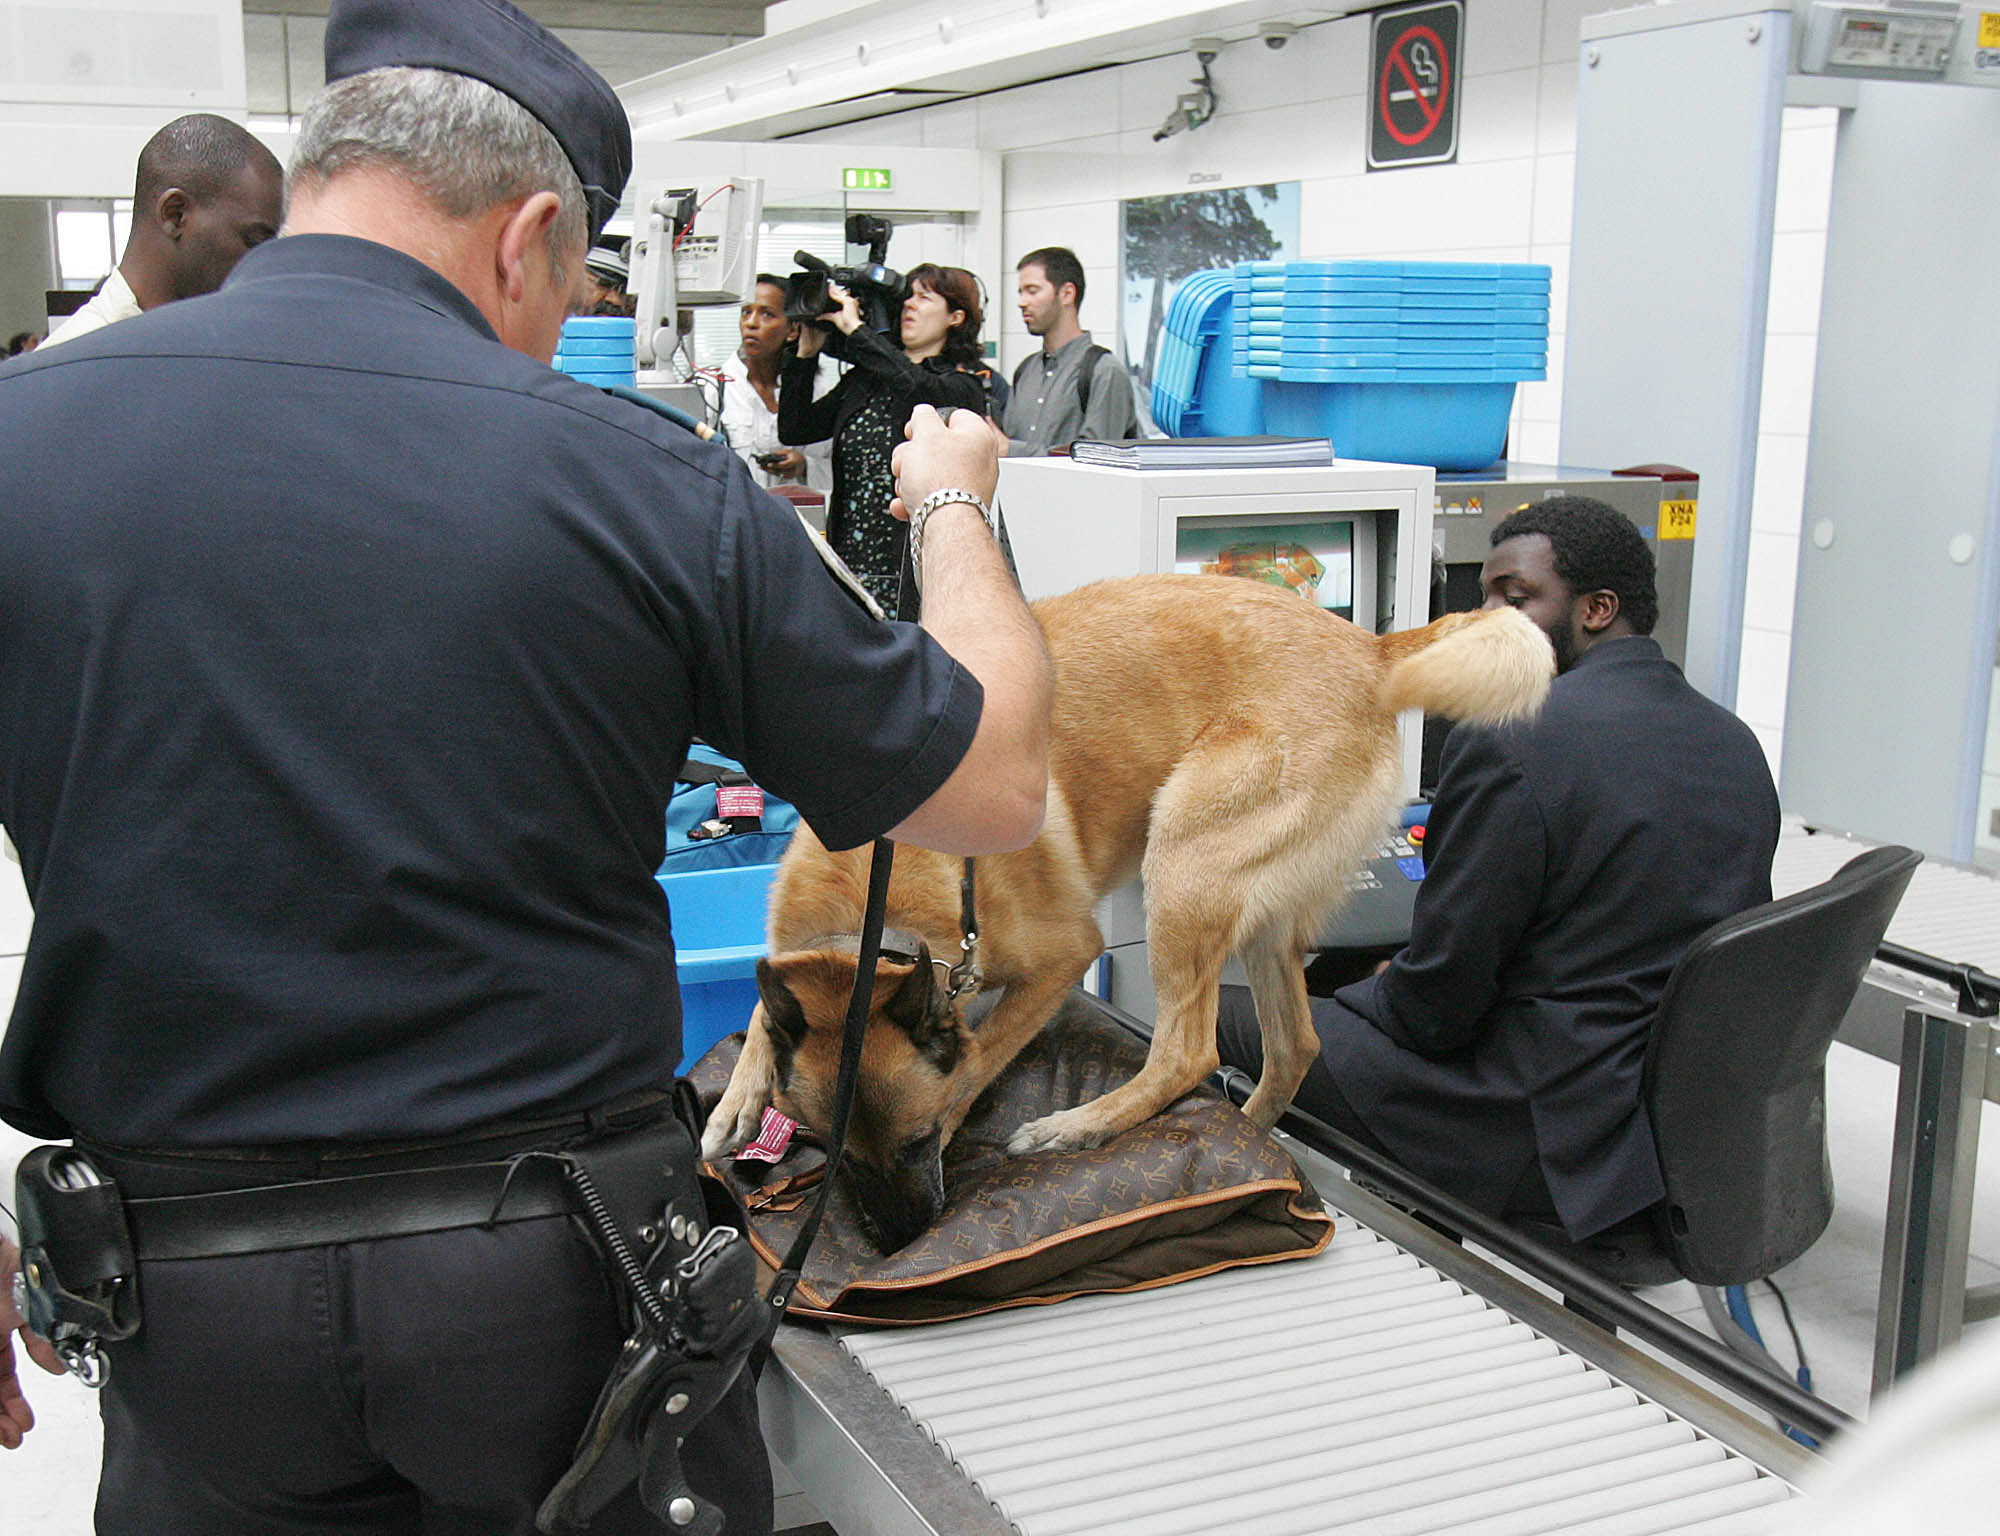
<point>1501,35</point>
<point>1781,484</point>
<point>954,125</point>
<point>1798,268</point>
<point>1561,21</point>
<point>1671,214</point>
<point>1773,584</point>
<point>1089,229</point>
<point>1498,117</point>
<point>1056,179</point>
<point>1805,168</point>
<point>1788,384</point>
<point>1537,443</point>
<point>1555,110</point>
<point>186,54</point>
<point>1051,113</point>
<point>1761,678</point>
<point>1337,55</point>
<point>1555,201</point>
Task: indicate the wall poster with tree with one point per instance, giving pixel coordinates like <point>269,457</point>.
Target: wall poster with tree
<point>1169,239</point>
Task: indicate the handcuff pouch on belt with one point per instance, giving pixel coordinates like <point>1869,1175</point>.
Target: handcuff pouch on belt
<point>691,1299</point>
<point>78,1285</point>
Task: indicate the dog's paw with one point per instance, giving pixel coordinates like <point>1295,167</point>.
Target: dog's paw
<point>732,1124</point>
<point>1069,1131</point>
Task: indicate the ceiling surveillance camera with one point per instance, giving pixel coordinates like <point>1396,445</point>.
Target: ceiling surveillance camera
<point>1276,33</point>
<point>1195,107</point>
<point>1192,110</point>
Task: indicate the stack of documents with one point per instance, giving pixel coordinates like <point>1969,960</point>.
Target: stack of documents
<point>1207,453</point>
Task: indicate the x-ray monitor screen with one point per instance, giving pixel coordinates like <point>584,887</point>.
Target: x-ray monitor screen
<point>1314,557</point>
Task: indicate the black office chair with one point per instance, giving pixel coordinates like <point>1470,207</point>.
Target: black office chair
<point>1735,1086</point>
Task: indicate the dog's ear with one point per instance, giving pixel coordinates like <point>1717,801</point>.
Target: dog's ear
<point>782,1013</point>
<point>918,1008</point>
<point>912,1001</point>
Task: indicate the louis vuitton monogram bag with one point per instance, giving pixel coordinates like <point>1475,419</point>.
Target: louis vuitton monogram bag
<point>1196,1189</point>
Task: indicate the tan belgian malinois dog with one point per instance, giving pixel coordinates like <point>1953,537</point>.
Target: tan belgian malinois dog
<point>1229,741</point>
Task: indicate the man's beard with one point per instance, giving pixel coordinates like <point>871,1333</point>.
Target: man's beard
<point>1563,637</point>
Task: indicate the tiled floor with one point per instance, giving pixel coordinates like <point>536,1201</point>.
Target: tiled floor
<point>49,1481</point>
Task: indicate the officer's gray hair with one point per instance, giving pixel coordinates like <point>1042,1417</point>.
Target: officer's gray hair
<point>463,145</point>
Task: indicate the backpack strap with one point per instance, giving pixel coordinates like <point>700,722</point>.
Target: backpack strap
<point>1090,356</point>
<point>695,771</point>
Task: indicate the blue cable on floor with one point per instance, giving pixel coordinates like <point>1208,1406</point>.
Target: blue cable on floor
<point>1737,1299</point>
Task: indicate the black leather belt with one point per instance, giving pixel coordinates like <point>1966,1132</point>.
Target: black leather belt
<point>311,1213</point>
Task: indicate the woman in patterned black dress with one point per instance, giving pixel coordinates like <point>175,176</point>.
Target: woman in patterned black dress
<point>865,413</point>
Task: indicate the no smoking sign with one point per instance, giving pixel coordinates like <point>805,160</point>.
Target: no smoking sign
<point>1413,85</point>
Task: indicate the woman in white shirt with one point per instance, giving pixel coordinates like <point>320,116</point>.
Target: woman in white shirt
<point>750,395</point>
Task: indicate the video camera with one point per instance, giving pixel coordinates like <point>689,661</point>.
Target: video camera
<point>878,290</point>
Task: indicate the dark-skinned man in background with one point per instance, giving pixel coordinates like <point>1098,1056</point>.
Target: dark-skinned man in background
<point>1569,861</point>
<point>206,192</point>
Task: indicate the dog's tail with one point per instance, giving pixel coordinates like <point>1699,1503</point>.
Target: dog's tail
<point>1489,666</point>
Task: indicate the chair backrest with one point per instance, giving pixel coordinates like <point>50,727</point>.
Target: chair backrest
<point>1736,1069</point>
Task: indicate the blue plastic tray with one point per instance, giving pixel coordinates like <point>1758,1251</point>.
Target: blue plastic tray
<point>1395,362</point>
<point>1196,391</point>
<point>1294,282</point>
<point>587,373</point>
<point>1394,346</point>
<point>718,918</point>
<point>1361,268</point>
<point>1417,330</point>
<point>1292,374</point>
<point>1288,303</point>
<point>1449,425</point>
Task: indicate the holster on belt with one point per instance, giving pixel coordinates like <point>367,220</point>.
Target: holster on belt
<point>79,1275</point>
<point>673,1238</point>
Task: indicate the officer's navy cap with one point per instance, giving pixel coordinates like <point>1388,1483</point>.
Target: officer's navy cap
<point>492,41</point>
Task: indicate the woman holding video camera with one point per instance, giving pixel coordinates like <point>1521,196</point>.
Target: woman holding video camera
<point>865,413</point>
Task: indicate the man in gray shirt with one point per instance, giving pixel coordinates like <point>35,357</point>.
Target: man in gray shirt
<point>1072,388</point>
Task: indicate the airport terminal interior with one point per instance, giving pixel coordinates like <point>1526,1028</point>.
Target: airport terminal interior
<point>1382,275</point>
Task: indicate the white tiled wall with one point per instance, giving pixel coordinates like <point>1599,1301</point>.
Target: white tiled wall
<point>1075,147</point>
<point>1791,334</point>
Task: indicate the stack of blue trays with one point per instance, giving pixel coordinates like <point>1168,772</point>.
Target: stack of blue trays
<point>598,349</point>
<point>1196,393</point>
<point>1409,361</point>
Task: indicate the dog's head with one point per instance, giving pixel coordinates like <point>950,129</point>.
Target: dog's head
<point>906,1098</point>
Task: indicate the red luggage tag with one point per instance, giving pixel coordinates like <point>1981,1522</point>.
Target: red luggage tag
<point>774,1138</point>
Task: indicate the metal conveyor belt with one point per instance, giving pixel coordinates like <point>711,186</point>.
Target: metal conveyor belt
<point>1949,911</point>
<point>1362,1390</point>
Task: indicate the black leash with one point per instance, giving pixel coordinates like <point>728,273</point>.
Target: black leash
<point>854,1032</point>
<point>964,976</point>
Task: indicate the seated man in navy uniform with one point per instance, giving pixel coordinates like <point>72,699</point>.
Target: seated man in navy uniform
<point>342,691</point>
<point>1569,862</point>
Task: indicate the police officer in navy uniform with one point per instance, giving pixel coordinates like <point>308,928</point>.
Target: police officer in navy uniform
<point>342,687</point>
